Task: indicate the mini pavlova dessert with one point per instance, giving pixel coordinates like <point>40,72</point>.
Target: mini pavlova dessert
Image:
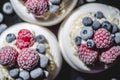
<point>43,12</point>
<point>28,52</point>
<point>90,38</point>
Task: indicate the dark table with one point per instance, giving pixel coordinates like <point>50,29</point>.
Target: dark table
<point>68,73</point>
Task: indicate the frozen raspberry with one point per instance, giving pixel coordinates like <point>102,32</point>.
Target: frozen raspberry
<point>27,59</point>
<point>8,56</point>
<point>87,55</point>
<point>110,55</point>
<point>37,7</point>
<point>25,39</point>
<point>102,38</point>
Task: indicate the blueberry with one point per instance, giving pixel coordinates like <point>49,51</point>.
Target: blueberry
<point>114,79</point>
<point>86,33</point>
<point>24,74</point>
<point>99,15</point>
<point>40,38</point>
<point>90,43</point>
<point>46,73</point>
<point>10,37</point>
<point>78,40</point>
<point>38,72</point>
<point>41,48</point>
<point>117,38</point>
<point>7,8</point>
<point>53,8</point>
<point>96,25</point>
<point>44,62</point>
<point>107,25</point>
<point>1,17</point>
<point>114,28</point>
<point>14,72</point>
<point>55,1</point>
<point>87,21</point>
<point>3,27</point>
<point>18,79</point>
<point>79,78</point>
<point>90,0</point>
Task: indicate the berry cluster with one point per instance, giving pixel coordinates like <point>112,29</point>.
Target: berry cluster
<point>40,7</point>
<point>32,64</point>
<point>100,37</point>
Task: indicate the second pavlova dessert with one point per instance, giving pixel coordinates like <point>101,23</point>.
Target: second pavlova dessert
<point>90,38</point>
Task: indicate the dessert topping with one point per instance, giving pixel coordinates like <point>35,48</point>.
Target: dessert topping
<point>8,56</point>
<point>25,39</point>
<point>27,59</point>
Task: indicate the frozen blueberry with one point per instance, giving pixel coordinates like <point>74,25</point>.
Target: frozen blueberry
<point>114,28</point>
<point>46,73</point>
<point>90,43</point>
<point>10,37</point>
<point>86,33</point>
<point>38,72</point>
<point>90,0</point>
<point>14,72</point>
<point>3,27</point>
<point>114,79</point>
<point>41,48</point>
<point>1,17</point>
<point>96,25</point>
<point>117,38</point>
<point>99,15</point>
<point>7,8</point>
<point>44,62</point>
<point>53,8</point>
<point>24,74</point>
<point>78,40</point>
<point>18,79</point>
<point>40,38</point>
<point>55,1</point>
<point>107,25</point>
<point>79,78</point>
<point>87,21</point>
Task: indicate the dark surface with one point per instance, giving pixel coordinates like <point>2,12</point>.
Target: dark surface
<point>67,73</point>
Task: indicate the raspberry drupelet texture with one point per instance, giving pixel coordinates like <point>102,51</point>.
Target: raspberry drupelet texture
<point>27,59</point>
<point>87,55</point>
<point>102,38</point>
<point>37,7</point>
<point>110,55</point>
<point>25,39</point>
<point>8,56</point>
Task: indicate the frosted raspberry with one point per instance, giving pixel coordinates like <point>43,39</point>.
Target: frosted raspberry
<point>8,56</point>
<point>102,38</point>
<point>27,59</point>
<point>110,55</point>
<point>25,39</point>
<point>87,55</point>
<point>37,7</point>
